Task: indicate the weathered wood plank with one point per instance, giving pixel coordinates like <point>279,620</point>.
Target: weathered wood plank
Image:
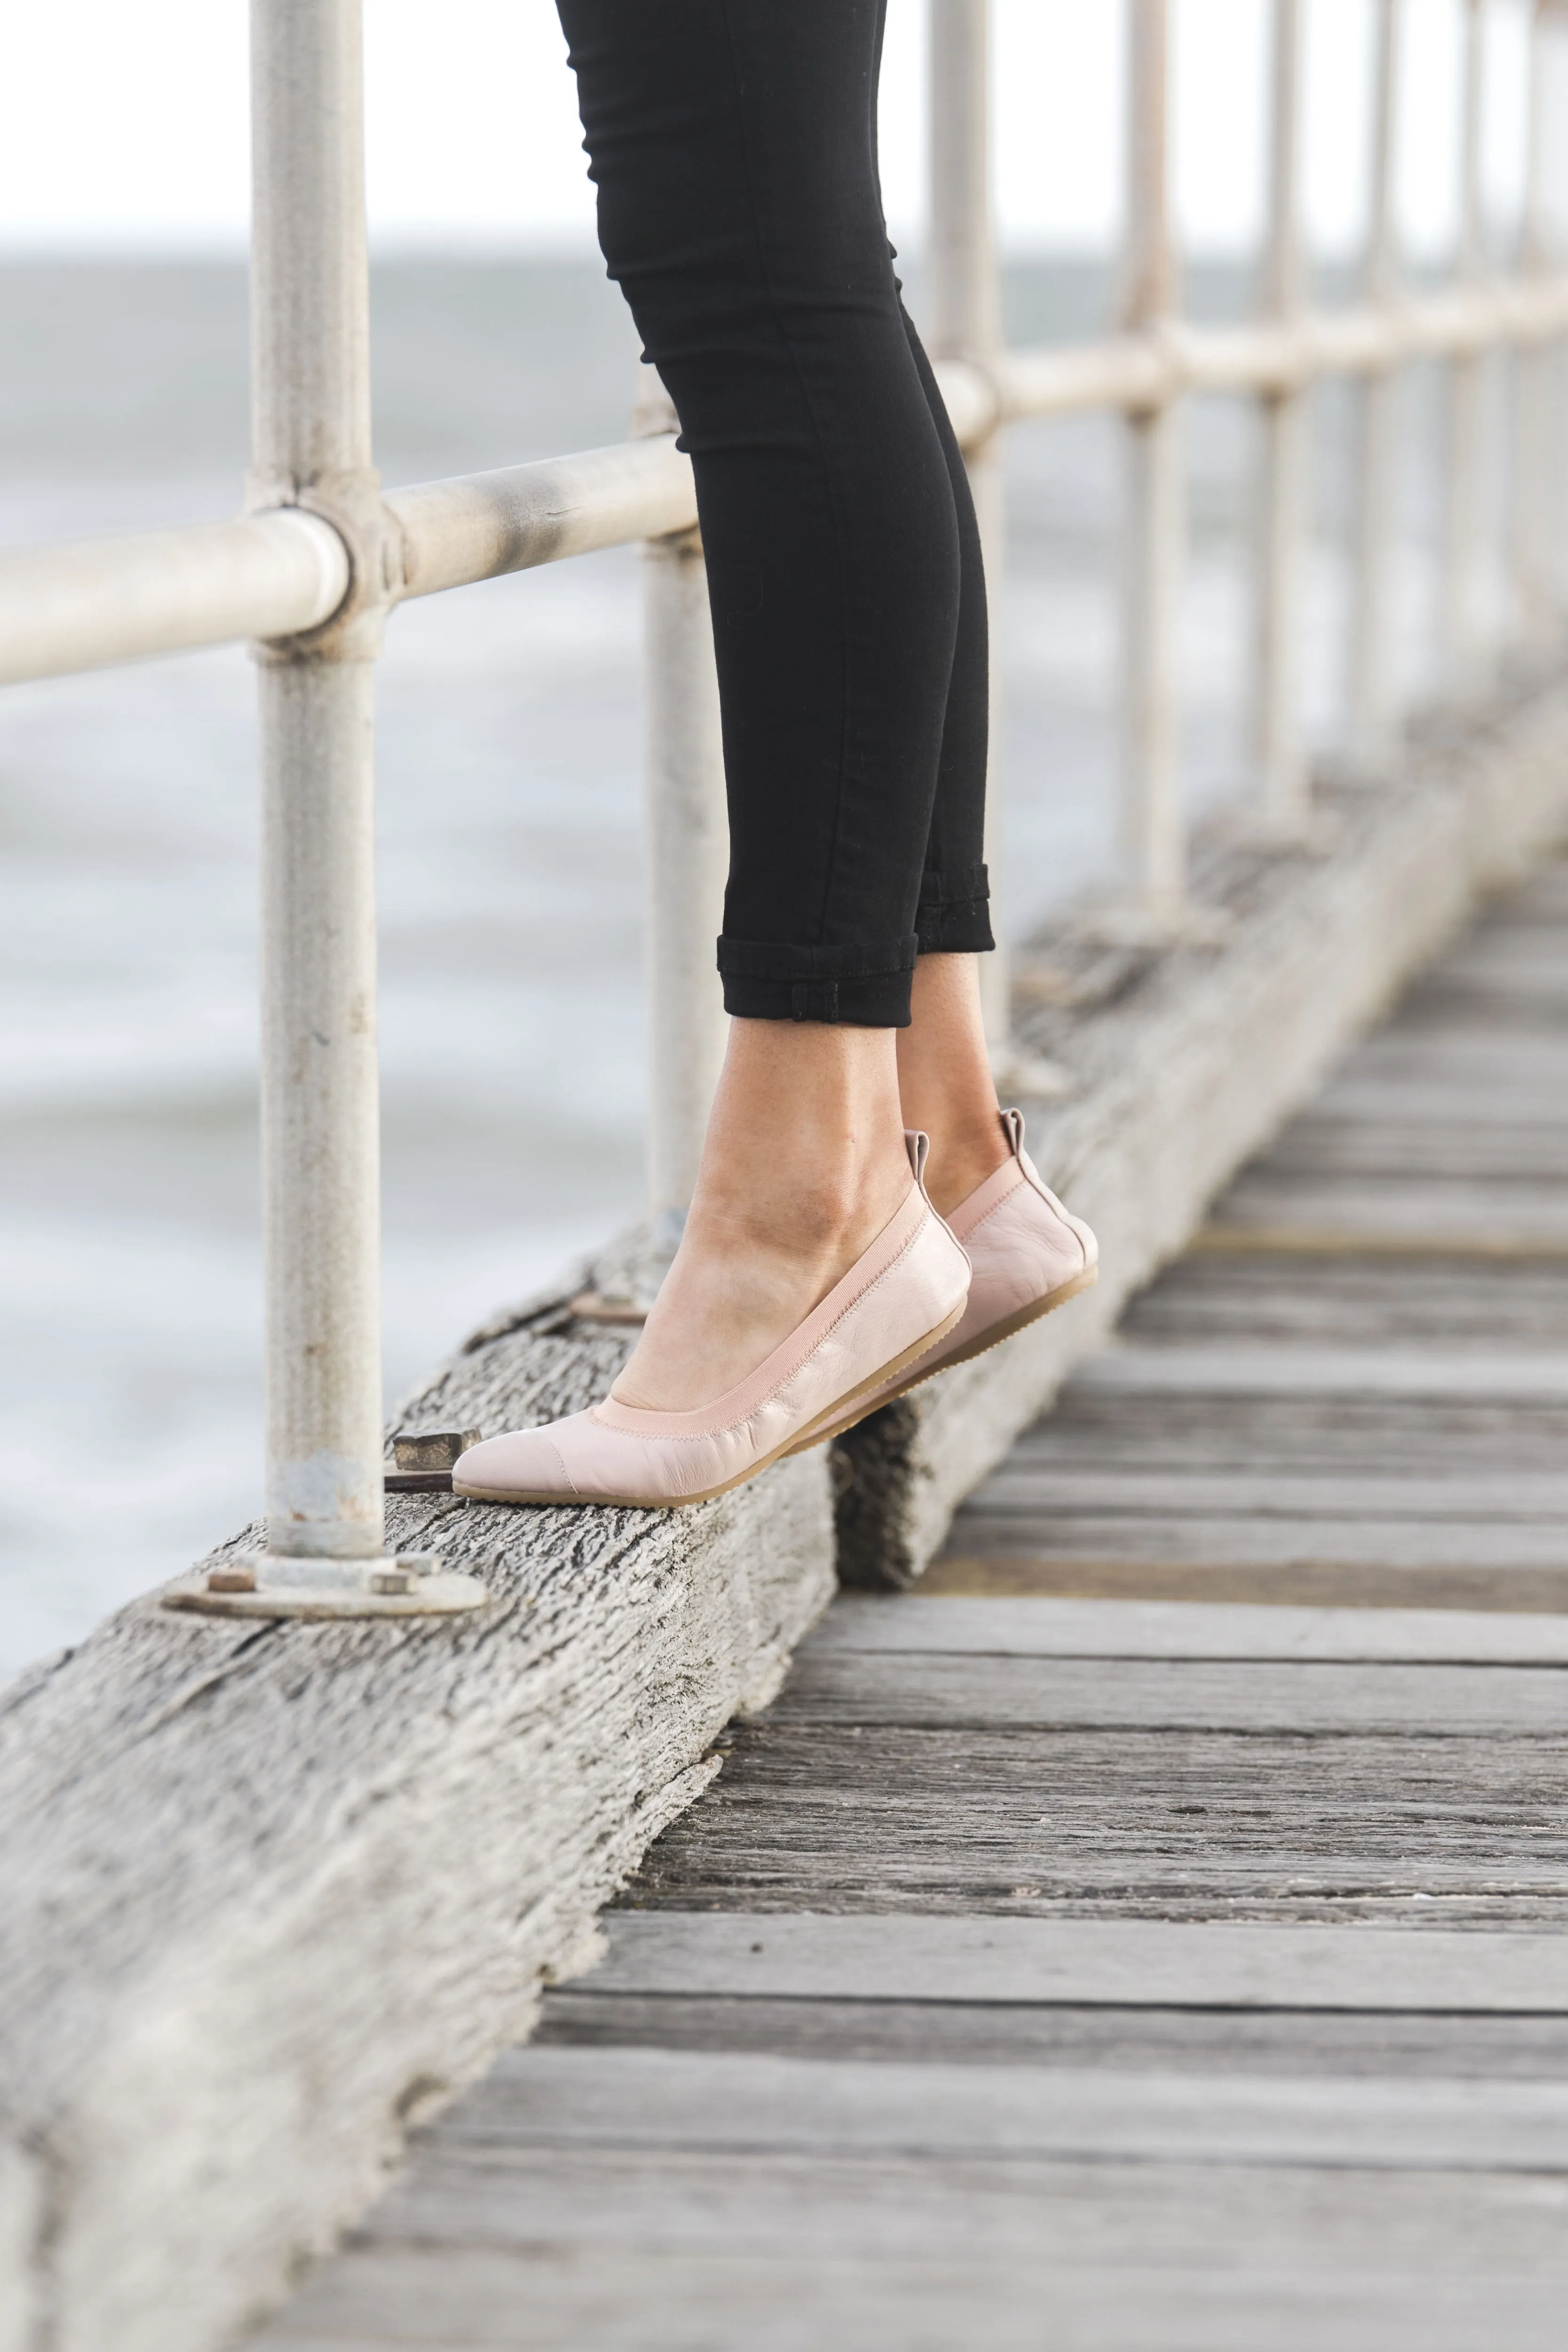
<point>1340,1301</point>
<point>651,2300</point>
<point>1259,1540</point>
<point>1138,2040</point>
<point>1425,1096</point>
<point>1050,1694</point>
<point>1538,1375</point>
<point>1150,2215</point>
<point>1458,1152</point>
<point>1266,1434</point>
<point>1432,1832</point>
<point>711,2100</point>
<point>1471,1059</point>
<point>1131,1629</point>
<point>1020,1484</point>
<point>1346,1584</point>
<point>1116,1963</point>
<point>1426,1213</point>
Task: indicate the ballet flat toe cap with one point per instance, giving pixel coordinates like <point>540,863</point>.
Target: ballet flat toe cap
<point>523,1463</point>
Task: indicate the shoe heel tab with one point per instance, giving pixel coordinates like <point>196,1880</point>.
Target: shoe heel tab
<point>1013,1128</point>
<point>918,1145</point>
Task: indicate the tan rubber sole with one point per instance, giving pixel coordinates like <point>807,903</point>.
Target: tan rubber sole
<point>683,1501</point>
<point>992,1337</point>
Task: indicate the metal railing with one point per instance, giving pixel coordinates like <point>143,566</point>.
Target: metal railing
<point>322,555</point>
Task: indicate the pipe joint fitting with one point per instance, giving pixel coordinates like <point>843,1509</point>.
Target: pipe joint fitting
<point>352,505</point>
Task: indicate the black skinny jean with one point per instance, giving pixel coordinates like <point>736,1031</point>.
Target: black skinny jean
<point>733,145</point>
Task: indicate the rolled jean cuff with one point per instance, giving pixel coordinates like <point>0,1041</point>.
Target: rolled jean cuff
<point>955,915</point>
<point>768,980</point>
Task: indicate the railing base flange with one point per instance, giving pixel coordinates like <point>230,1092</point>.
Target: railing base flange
<point>432,1595</point>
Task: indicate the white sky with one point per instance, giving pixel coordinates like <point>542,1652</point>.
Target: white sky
<point>122,123</point>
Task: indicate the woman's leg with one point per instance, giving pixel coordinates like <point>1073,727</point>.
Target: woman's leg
<point>944,1071</point>
<point>731,141</point>
<point>802,1166</point>
<point>739,209</point>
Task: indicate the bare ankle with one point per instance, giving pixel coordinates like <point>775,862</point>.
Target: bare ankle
<point>961,1164</point>
<point>945,1083</point>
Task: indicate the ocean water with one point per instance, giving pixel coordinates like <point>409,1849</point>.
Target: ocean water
<point>510,867</point>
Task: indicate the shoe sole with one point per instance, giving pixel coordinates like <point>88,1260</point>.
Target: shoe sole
<point>683,1501</point>
<point>992,1337</point>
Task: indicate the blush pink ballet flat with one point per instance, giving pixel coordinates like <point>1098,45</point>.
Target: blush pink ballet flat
<point>905,1295</point>
<point>1028,1254</point>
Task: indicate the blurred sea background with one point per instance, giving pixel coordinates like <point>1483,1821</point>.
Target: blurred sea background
<point>509,861</point>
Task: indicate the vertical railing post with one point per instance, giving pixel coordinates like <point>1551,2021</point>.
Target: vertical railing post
<point>685,859</point>
<point>965,312</point>
<point>1463,638</point>
<point>1375,712</point>
<point>1534,511</point>
<point>1154,828</point>
<point>312,448</point>
<point>311,445</point>
<point>1283,546</point>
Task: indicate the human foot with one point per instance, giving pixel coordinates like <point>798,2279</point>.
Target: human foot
<point>803,1165</point>
<point>1028,1254</point>
<point>904,1295</point>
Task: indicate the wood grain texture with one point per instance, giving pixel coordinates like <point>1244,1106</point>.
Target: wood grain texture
<point>828,2206</point>
<point>268,1893</point>
<point>1413,1828</point>
<point>1345,1301</point>
<point>1137,2038</point>
<point>930,1693</point>
<point>707,2101</point>
<point>1477,1545</point>
<point>647,2298</point>
<point>1117,1963</point>
<point>1305,1584</point>
<point>924,1623</point>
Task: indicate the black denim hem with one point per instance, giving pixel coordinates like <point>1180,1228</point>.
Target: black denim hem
<point>878,1000</point>
<point>767,980</point>
<point>954,916</point>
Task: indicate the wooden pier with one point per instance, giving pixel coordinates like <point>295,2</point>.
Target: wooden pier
<point>1151,1933</point>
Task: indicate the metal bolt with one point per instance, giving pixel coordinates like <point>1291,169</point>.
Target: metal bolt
<point>429,1450</point>
<point>231,1580</point>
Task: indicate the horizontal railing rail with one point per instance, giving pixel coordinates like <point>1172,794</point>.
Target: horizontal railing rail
<point>88,604</point>
<point>321,556</point>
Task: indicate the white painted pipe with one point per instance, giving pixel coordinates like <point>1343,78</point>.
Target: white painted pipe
<point>479,526</point>
<point>84,605</point>
<point>281,570</point>
<point>965,303</point>
<point>319,1118</point>
<point>1279,750</point>
<point>685,859</point>
<point>1152,829</point>
<point>319,1130</point>
<point>1373,716</point>
<point>964,295</point>
<point>1466,654</point>
<point>1534,496</point>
